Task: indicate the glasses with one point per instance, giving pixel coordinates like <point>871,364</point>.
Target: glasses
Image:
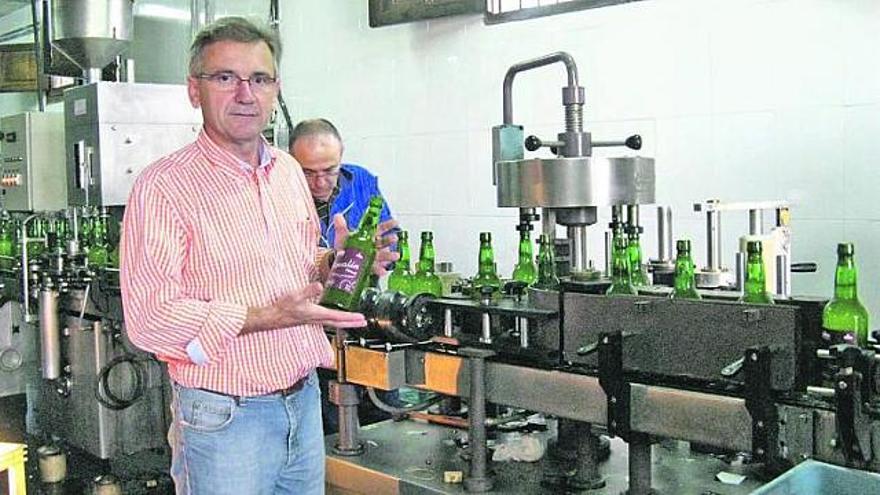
<point>330,173</point>
<point>229,81</point>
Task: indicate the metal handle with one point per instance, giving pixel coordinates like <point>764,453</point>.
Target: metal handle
<point>805,267</point>
<point>633,142</point>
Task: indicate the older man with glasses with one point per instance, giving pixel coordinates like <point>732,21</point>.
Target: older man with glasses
<point>336,187</point>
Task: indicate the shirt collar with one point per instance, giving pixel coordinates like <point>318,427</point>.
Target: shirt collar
<point>226,160</point>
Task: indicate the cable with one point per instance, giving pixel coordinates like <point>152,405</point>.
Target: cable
<point>385,407</point>
<point>105,395</point>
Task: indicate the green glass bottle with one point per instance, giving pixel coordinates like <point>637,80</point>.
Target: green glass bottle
<point>486,275</point>
<point>621,275</point>
<point>685,286</point>
<point>755,285</point>
<point>98,247</point>
<point>525,269</point>
<point>634,253</point>
<point>401,277</point>
<point>547,279</point>
<point>7,243</point>
<point>351,270</point>
<point>845,319</point>
<point>425,280</point>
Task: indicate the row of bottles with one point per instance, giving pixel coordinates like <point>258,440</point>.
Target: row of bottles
<point>844,318</point>
<point>92,228</point>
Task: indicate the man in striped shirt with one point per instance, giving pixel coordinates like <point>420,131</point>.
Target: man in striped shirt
<point>220,271</point>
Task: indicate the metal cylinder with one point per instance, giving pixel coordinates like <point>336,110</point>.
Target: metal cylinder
<point>548,223</point>
<point>756,222</point>
<point>478,479</point>
<point>447,322</point>
<point>740,271</point>
<point>50,334</point>
<point>486,337</point>
<point>632,215</point>
<point>52,463</point>
<point>664,233</point>
<point>522,326</point>
<point>713,240</point>
<point>106,484</point>
<point>577,235</point>
<point>639,465</point>
<point>783,283</point>
<point>608,247</point>
<point>92,32</point>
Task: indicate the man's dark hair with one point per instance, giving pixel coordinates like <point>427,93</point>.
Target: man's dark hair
<point>231,29</point>
<point>314,127</point>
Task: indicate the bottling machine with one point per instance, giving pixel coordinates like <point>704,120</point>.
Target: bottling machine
<point>648,370</point>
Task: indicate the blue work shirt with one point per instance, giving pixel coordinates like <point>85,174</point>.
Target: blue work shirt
<point>356,186</point>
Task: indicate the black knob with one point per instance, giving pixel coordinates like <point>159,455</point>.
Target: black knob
<point>533,143</point>
<point>634,142</point>
<point>804,267</point>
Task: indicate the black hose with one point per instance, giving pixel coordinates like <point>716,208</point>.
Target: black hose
<point>107,397</point>
<point>385,407</point>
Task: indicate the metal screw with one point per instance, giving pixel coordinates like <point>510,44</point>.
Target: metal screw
<point>833,442</point>
<point>841,385</point>
<point>760,424</point>
<point>614,400</point>
<point>754,356</point>
<point>605,340</point>
<point>614,424</point>
<point>760,451</point>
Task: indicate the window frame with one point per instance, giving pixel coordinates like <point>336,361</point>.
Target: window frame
<point>527,13</point>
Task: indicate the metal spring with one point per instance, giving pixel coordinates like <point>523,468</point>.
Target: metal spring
<point>574,117</point>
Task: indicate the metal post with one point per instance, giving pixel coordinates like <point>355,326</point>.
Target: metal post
<point>783,289</point>
<point>608,248</point>
<point>486,337</point>
<point>478,479</point>
<point>713,238</point>
<point>577,234</point>
<point>522,326</point>
<point>639,465</point>
<point>447,322</point>
<point>756,221</point>
<point>587,476</point>
<point>344,395</point>
<point>664,233</point>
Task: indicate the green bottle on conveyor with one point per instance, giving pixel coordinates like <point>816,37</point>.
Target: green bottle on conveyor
<point>547,278</point>
<point>350,273</point>
<point>845,319</point>
<point>634,252</point>
<point>486,275</point>
<point>685,286</point>
<point>525,270</point>
<point>425,280</point>
<point>621,274</point>
<point>755,286</point>
<point>401,277</point>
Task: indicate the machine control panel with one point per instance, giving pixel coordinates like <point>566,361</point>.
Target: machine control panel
<point>33,176</point>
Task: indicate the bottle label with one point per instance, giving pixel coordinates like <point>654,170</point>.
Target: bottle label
<point>345,271</point>
<point>834,337</point>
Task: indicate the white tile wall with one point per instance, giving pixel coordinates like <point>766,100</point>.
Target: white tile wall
<point>736,99</point>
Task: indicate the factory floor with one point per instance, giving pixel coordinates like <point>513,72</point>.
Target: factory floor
<point>145,473</point>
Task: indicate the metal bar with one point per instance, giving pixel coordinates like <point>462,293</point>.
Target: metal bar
<point>577,234</point>
<point>639,465</point>
<point>713,241</point>
<point>478,479</point>
<point>756,221</point>
<point>507,89</point>
<point>664,233</point>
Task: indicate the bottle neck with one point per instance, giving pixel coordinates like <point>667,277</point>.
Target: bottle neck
<point>403,249</point>
<point>426,257</point>
<point>525,248</point>
<point>755,277</point>
<point>487,259</point>
<point>845,279</point>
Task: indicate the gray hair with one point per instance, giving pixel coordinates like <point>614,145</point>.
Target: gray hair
<point>314,127</point>
<point>231,29</point>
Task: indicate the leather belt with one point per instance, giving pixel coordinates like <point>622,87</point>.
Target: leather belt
<point>283,392</point>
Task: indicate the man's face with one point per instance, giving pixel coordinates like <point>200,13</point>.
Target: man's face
<point>234,114</point>
<point>320,156</point>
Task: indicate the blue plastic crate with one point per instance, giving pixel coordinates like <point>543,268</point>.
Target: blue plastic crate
<point>814,477</point>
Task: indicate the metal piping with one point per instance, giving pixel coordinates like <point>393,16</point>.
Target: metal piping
<point>38,56</point>
<point>570,68</point>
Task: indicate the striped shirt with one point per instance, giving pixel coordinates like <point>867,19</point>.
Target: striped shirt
<point>206,236</point>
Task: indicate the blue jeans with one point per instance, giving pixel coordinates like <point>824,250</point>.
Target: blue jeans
<point>260,445</point>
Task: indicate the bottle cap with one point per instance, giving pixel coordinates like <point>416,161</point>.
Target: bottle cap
<point>444,267</point>
<point>754,247</point>
<point>485,237</point>
<point>846,249</point>
<point>683,245</point>
<point>403,235</point>
<point>427,235</point>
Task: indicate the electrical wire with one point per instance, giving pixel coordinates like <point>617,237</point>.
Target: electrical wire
<point>105,395</point>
